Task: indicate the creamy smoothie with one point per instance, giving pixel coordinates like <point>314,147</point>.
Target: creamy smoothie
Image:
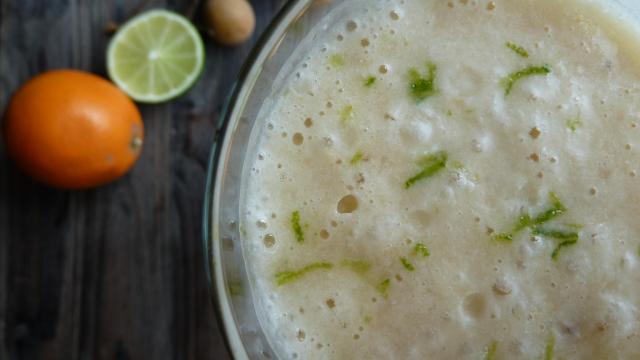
<point>451,180</point>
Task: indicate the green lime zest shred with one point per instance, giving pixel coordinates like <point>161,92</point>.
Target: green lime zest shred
<point>503,237</point>
<point>555,234</point>
<point>336,60</point>
<point>423,86</point>
<point>557,208</point>
<point>490,352</point>
<point>370,81</point>
<point>297,228</point>
<point>407,264</point>
<point>556,251</point>
<point>525,221</point>
<point>357,157</point>
<point>510,80</point>
<point>431,165</point>
<point>449,113</point>
<point>346,113</point>
<point>383,287</point>
<point>285,277</point>
<point>359,267</point>
<point>421,249</point>
<point>567,238</point>
<point>548,350</point>
<point>517,49</point>
<point>367,319</point>
<point>574,123</point>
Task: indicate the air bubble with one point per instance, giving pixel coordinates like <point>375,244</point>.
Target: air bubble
<point>352,26</point>
<point>383,69</point>
<point>475,305</point>
<point>347,204</point>
<point>330,303</point>
<point>501,288</point>
<point>308,122</point>
<point>298,138</point>
<point>269,240</point>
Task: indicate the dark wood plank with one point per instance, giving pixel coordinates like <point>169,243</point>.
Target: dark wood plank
<point>4,211</point>
<point>115,272</point>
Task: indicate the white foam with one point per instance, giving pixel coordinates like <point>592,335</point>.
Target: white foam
<point>447,307</point>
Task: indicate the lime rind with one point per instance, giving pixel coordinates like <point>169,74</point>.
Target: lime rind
<point>156,56</point>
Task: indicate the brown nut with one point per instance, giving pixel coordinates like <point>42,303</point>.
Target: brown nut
<point>231,22</point>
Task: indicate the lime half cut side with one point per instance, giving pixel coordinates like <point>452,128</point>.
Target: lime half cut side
<point>156,56</point>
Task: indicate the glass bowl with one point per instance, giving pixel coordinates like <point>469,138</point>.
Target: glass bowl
<point>258,82</point>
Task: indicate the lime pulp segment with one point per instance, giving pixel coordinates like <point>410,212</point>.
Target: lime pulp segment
<point>156,56</point>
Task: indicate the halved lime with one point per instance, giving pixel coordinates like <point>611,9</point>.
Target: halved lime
<point>156,56</point>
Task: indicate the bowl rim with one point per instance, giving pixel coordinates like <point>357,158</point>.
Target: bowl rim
<point>260,51</point>
<point>258,54</point>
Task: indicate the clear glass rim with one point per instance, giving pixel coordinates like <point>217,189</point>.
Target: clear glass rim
<point>211,241</point>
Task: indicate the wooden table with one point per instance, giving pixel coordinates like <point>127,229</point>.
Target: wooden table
<point>116,272</point>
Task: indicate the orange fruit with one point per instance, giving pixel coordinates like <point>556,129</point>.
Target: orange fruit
<point>71,129</point>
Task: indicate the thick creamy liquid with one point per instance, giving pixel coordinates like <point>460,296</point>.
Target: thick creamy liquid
<point>451,220</point>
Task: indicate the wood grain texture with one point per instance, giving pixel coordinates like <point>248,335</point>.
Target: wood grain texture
<point>116,272</point>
